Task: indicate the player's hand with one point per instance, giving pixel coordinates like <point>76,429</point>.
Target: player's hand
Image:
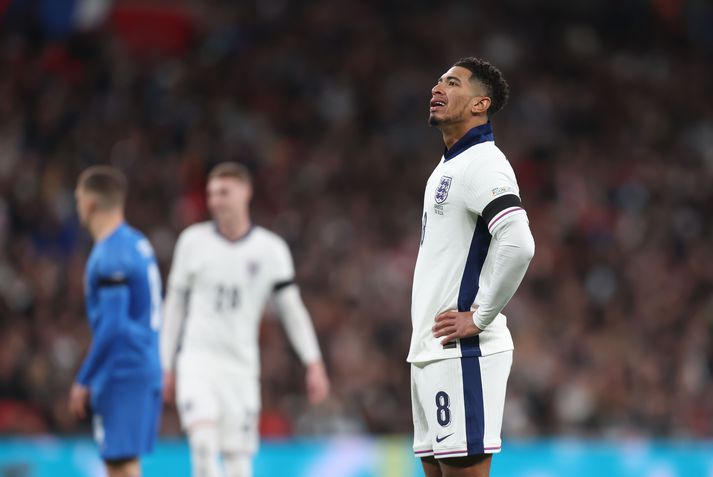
<point>317,382</point>
<point>78,401</point>
<point>169,388</point>
<point>453,324</point>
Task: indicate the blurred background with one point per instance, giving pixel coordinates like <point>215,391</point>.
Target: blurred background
<point>609,129</point>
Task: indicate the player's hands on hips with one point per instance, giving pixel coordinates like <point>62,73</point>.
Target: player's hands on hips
<point>455,324</point>
<point>78,401</point>
<point>317,382</point>
<point>169,387</point>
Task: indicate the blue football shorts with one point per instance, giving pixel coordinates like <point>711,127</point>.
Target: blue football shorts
<point>126,418</point>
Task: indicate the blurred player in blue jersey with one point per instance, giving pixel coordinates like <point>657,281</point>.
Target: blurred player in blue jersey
<point>120,379</point>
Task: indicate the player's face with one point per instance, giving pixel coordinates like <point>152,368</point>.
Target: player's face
<point>85,204</point>
<point>228,197</point>
<point>453,97</point>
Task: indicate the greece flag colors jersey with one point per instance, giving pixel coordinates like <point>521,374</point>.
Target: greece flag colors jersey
<point>469,195</point>
<point>229,283</point>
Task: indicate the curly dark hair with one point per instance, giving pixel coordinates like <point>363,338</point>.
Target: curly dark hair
<point>489,76</point>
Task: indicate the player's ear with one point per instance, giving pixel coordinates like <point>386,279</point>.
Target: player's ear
<point>92,204</point>
<point>480,104</point>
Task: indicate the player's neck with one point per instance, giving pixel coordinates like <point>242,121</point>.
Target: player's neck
<point>104,224</point>
<point>234,229</point>
<point>453,132</point>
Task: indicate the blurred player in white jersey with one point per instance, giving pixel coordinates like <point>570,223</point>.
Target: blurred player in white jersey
<point>223,274</point>
<point>475,248</point>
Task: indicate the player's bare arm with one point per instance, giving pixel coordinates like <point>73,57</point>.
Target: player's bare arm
<point>174,318</point>
<point>78,400</point>
<point>169,387</point>
<point>317,382</point>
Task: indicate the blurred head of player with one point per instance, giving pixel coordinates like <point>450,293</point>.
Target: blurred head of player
<point>467,94</point>
<point>100,195</point>
<point>229,192</point>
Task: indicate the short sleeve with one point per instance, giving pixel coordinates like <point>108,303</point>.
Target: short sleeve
<point>113,267</point>
<point>494,194</point>
<point>283,266</point>
<point>179,276</point>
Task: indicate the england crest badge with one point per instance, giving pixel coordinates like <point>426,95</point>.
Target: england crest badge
<point>442,190</point>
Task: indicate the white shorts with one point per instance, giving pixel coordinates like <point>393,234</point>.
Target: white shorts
<point>458,405</point>
<point>209,395</point>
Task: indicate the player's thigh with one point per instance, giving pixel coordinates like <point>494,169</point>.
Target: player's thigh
<point>197,398</point>
<point>240,412</point>
<point>123,468</point>
<point>469,466</point>
<point>431,467</point>
<point>125,418</point>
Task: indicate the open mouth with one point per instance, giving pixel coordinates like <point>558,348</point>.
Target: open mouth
<point>437,103</point>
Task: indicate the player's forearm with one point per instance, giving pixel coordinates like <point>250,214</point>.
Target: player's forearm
<point>515,248</point>
<point>298,324</point>
<point>175,309</point>
<point>114,306</point>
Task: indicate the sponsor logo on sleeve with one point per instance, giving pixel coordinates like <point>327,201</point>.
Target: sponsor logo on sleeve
<point>503,190</point>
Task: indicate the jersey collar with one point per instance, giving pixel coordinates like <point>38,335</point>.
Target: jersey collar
<point>233,241</point>
<point>478,134</point>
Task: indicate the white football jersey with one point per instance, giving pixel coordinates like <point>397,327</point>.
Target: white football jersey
<point>228,284</point>
<point>471,192</point>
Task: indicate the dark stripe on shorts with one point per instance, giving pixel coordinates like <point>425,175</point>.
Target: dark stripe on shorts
<point>473,403</point>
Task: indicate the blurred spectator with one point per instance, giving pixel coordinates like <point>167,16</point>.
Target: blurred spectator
<point>610,130</point>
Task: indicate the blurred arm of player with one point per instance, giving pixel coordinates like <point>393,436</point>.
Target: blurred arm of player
<point>514,248</point>
<point>174,314</point>
<point>114,309</point>
<point>304,340</point>
<point>175,310</point>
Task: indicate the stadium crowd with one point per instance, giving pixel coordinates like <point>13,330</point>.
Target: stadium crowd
<point>609,128</point>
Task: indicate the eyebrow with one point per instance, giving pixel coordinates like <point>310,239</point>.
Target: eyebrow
<point>455,78</point>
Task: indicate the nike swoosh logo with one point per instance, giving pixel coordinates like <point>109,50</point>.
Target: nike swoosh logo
<point>441,439</point>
